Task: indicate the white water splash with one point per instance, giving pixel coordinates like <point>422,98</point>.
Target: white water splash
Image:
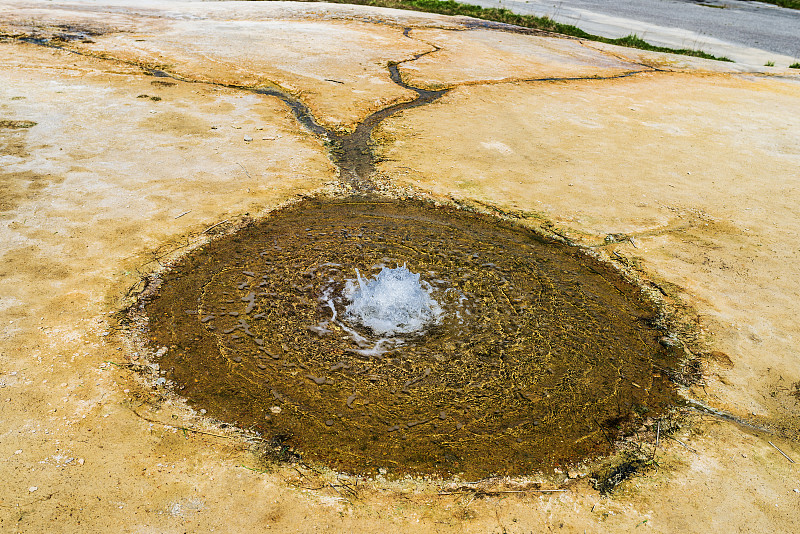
<point>395,302</point>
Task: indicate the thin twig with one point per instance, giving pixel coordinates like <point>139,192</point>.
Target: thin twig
<point>682,444</point>
<point>336,489</point>
<point>245,170</point>
<point>184,428</point>
<point>481,492</point>
<point>780,451</point>
<point>658,436</point>
<point>698,406</point>
<point>262,471</point>
<point>182,214</point>
<point>194,430</point>
<point>213,226</point>
<point>350,489</point>
<point>603,430</point>
<point>302,475</point>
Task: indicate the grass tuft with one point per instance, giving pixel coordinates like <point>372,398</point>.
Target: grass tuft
<point>634,41</point>
<point>791,4</point>
<point>795,65</point>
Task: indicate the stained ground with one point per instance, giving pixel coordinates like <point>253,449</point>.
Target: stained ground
<point>693,161</point>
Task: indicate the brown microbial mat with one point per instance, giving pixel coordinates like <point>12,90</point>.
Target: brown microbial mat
<point>506,353</point>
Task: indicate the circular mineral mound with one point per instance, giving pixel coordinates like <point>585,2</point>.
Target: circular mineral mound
<point>526,353</point>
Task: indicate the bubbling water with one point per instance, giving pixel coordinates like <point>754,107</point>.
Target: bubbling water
<point>394,302</point>
<point>507,353</point>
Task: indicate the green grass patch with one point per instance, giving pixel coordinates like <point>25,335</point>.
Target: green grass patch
<point>795,65</point>
<point>634,41</point>
<point>505,16</point>
<point>791,4</point>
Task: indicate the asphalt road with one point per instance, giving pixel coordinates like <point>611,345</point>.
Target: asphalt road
<point>750,32</point>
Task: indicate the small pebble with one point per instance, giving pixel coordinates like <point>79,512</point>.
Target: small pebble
<point>329,422</point>
<point>248,138</point>
<point>32,489</point>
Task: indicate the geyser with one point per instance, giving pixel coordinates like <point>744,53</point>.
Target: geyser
<point>395,302</point>
<point>411,338</point>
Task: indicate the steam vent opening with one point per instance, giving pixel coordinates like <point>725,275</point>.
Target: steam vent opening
<point>422,340</point>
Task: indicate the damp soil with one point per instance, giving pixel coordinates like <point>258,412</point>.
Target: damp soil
<point>543,356</point>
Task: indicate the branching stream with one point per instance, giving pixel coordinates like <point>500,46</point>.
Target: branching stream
<point>543,355</point>
<point>352,153</point>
